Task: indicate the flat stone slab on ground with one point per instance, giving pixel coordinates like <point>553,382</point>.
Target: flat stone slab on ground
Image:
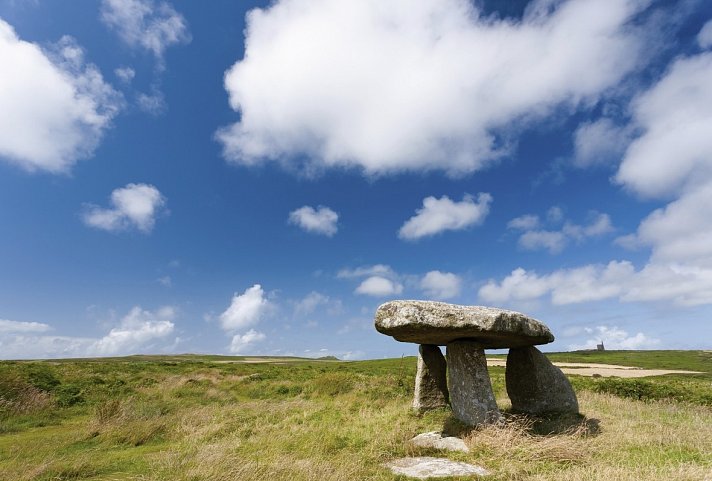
<point>438,440</point>
<point>429,322</point>
<point>428,467</point>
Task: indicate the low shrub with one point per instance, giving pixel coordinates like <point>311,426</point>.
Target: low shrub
<point>694,391</point>
<point>69,395</point>
<point>42,377</point>
<point>288,390</point>
<point>333,383</point>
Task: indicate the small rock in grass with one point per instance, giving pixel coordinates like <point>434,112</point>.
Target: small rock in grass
<point>428,467</point>
<point>437,440</point>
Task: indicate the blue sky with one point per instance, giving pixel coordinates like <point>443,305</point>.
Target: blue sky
<point>257,177</point>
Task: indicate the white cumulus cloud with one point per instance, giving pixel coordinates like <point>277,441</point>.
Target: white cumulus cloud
<point>137,328</point>
<point>553,241</point>
<point>441,285</point>
<point>524,222</point>
<point>153,26</point>
<point>438,215</point>
<point>681,284</point>
<point>600,224</point>
<point>135,205</point>
<point>600,142</point>
<point>125,74</point>
<point>379,287</point>
<point>415,85</point>
<point>321,220</point>
<point>310,302</point>
<point>555,214</point>
<point>380,280</point>
<point>534,237</point>
<point>246,309</point>
<point>316,301</point>
<point>565,286</point>
<point>672,157</point>
<point>374,270</point>
<point>674,117</point>
<point>54,107</point>
<point>153,103</point>
<point>682,230</point>
<point>669,158</point>
<point>242,341</point>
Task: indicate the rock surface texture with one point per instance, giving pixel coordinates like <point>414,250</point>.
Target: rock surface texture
<point>535,385</point>
<point>431,379</point>
<point>427,467</point>
<point>428,322</point>
<point>473,401</point>
<point>436,440</point>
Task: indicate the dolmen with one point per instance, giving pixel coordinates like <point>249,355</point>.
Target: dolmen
<point>460,378</point>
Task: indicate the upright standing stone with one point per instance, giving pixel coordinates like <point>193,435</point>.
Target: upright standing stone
<point>431,379</point>
<point>535,385</point>
<point>471,394</point>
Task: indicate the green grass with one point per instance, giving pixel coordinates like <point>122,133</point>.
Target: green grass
<point>190,418</point>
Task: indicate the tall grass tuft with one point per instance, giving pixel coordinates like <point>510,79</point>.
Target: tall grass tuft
<point>20,397</point>
<point>515,437</point>
<point>130,421</point>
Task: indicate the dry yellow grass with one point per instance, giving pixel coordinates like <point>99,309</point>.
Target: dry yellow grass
<point>22,398</point>
<point>636,441</point>
<point>304,440</point>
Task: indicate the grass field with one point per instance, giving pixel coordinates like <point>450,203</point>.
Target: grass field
<point>222,418</point>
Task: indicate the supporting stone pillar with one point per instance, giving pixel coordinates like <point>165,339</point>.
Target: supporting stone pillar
<point>535,385</point>
<point>431,379</point>
<point>471,395</point>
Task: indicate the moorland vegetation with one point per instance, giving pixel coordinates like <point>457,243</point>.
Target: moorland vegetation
<point>190,418</point>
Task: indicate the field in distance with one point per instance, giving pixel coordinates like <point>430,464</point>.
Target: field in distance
<point>204,417</point>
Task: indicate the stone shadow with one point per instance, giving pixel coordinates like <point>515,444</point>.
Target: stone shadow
<point>550,424</point>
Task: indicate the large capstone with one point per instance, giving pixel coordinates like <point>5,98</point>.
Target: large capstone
<point>471,395</point>
<point>439,323</point>
<point>535,385</point>
<point>431,379</point>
